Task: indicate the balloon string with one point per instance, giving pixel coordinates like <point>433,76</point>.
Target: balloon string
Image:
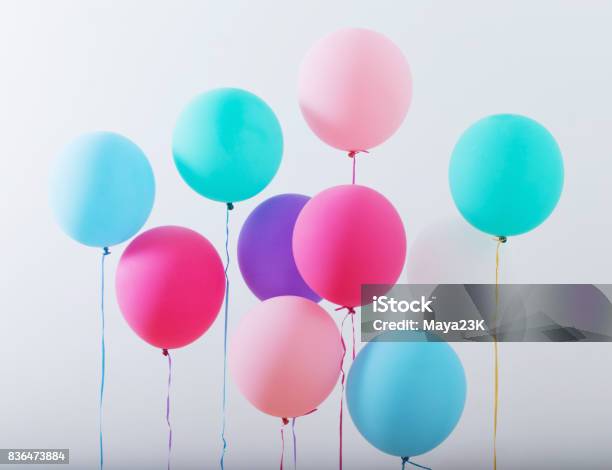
<point>352,154</point>
<point>353,327</point>
<point>500,240</point>
<point>294,437</point>
<point>406,460</point>
<point>167,354</point>
<point>105,253</point>
<point>350,312</point>
<point>294,444</point>
<point>285,421</point>
<point>229,207</point>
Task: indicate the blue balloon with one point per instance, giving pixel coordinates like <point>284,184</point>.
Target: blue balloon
<point>227,145</point>
<point>405,394</point>
<point>506,174</point>
<point>102,189</point>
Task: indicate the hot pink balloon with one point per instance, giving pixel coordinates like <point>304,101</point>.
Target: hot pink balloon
<point>347,236</point>
<point>285,356</point>
<point>170,286</point>
<point>354,89</point>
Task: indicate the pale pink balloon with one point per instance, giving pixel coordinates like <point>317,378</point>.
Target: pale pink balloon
<point>285,356</point>
<point>347,236</point>
<point>170,286</point>
<point>354,89</point>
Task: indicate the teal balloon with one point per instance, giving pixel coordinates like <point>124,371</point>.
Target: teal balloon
<point>227,144</point>
<point>406,395</point>
<point>506,174</point>
<point>102,189</point>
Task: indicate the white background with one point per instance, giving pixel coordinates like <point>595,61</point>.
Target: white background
<point>68,67</point>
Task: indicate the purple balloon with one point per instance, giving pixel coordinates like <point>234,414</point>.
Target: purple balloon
<point>265,255</point>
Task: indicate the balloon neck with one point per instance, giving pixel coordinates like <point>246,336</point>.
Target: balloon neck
<point>349,310</point>
<point>406,460</point>
<point>353,153</point>
<point>501,239</point>
<point>106,251</point>
<point>165,352</point>
<point>285,421</point>
<point>230,206</point>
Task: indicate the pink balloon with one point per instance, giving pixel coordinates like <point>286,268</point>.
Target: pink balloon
<point>347,236</point>
<point>354,89</point>
<point>170,286</point>
<point>285,356</point>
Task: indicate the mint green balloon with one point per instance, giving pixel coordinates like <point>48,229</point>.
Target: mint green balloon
<point>227,144</point>
<point>506,174</point>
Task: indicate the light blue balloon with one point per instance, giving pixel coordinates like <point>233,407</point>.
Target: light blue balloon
<point>102,189</point>
<point>506,174</point>
<point>227,144</point>
<point>406,396</point>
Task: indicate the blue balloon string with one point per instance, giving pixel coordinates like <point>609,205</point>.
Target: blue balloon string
<point>105,253</point>
<point>406,460</point>
<point>294,444</point>
<point>229,207</point>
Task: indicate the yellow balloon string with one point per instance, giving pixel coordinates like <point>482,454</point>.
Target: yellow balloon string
<point>500,240</point>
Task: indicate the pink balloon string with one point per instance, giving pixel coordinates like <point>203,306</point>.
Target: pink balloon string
<point>229,207</point>
<point>350,312</point>
<point>353,327</point>
<point>352,154</point>
<point>406,460</point>
<point>167,354</point>
<point>105,253</point>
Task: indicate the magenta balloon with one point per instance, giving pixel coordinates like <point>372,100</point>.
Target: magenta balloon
<point>354,89</point>
<point>170,286</point>
<point>285,356</point>
<point>347,236</point>
<point>265,255</point>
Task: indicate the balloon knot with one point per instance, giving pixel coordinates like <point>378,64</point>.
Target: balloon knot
<point>405,459</point>
<point>501,239</point>
<point>230,206</point>
<point>285,421</point>
<point>106,251</point>
<point>353,153</point>
<point>349,310</point>
<point>165,352</point>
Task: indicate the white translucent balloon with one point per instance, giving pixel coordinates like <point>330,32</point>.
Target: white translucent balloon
<point>450,251</point>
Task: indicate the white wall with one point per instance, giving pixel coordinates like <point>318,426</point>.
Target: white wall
<point>68,67</point>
